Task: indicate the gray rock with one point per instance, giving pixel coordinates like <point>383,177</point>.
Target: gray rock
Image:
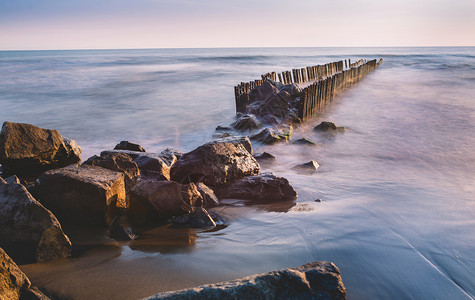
<point>27,150</point>
<point>223,128</point>
<point>259,188</point>
<point>119,162</point>
<point>83,194</point>
<point>265,158</point>
<point>166,198</point>
<point>12,179</point>
<point>27,229</point>
<point>304,141</point>
<point>215,163</point>
<point>309,167</point>
<point>317,280</point>
<point>271,136</point>
<point>126,145</point>
<point>247,122</point>
<point>209,198</point>
<point>170,156</point>
<point>198,218</point>
<point>263,92</point>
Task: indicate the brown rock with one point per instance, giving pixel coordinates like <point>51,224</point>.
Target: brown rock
<point>27,229</point>
<point>209,199</point>
<point>317,280</point>
<point>259,188</point>
<point>166,198</point>
<point>215,163</point>
<point>265,158</point>
<point>170,156</point>
<point>247,122</point>
<point>13,282</point>
<point>237,140</point>
<point>119,162</point>
<point>82,194</point>
<point>126,145</point>
<point>27,150</point>
<point>153,167</point>
<point>271,136</point>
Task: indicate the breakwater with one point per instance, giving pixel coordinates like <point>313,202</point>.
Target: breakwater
<point>319,83</point>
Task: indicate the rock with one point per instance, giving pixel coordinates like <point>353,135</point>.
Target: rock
<point>259,188</point>
<point>13,282</point>
<point>120,229</point>
<point>293,89</point>
<point>304,141</point>
<point>151,165</point>
<point>237,140</point>
<point>209,198</point>
<point>328,127</point>
<point>219,135</point>
<point>27,229</point>
<point>263,92</point>
<point>317,280</point>
<point>310,167</point>
<point>215,163</point>
<point>224,128</point>
<point>198,218</point>
<point>271,136</point>
<point>27,150</point>
<point>166,198</point>
<point>265,158</point>
<point>119,162</point>
<point>247,122</point>
<point>126,145</point>
<point>170,156</point>
<point>83,194</point>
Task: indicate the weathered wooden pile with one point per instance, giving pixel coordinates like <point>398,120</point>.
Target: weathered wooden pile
<point>319,83</point>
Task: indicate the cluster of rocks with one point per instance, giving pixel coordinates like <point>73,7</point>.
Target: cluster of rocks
<point>120,188</point>
<point>43,184</point>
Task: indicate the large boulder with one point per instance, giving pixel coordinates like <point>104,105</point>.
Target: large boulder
<point>28,230</point>
<point>119,162</point>
<point>151,199</point>
<point>258,188</point>
<point>27,150</point>
<point>215,163</point>
<point>126,145</point>
<point>317,280</point>
<point>83,194</point>
<point>14,284</point>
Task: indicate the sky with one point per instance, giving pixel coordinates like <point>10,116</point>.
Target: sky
<point>126,24</point>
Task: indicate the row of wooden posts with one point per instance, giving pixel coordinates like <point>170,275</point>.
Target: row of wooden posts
<point>319,83</point>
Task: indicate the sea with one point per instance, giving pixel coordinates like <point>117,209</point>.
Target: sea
<point>392,203</point>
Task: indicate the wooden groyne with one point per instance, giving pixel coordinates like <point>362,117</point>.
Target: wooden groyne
<point>319,83</point>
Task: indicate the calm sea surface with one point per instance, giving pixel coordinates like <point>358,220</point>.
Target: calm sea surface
<point>398,187</point>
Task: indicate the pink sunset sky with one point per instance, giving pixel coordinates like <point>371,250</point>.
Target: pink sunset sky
<point>112,24</point>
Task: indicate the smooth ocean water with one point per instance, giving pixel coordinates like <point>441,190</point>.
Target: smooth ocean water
<point>398,188</point>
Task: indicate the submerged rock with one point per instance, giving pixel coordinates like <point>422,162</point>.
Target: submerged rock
<point>27,150</point>
<point>215,163</point>
<point>198,218</point>
<point>265,158</point>
<point>83,194</point>
<point>304,141</point>
<point>258,188</point>
<point>126,145</point>
<point>308,167</point>
<point>317,280</point>
<point>27,229</point>
<point>328,127</point>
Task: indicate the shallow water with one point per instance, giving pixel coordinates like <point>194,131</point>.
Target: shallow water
<point>397,188</point>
